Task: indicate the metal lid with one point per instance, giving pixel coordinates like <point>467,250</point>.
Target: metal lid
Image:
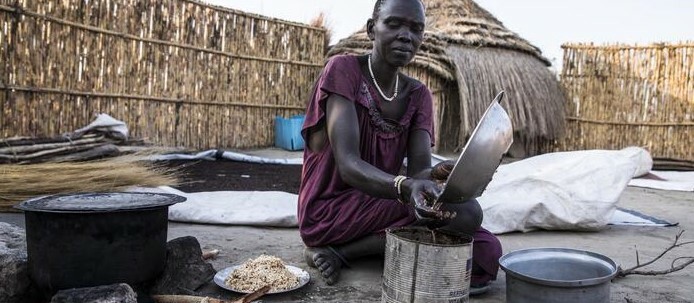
<point>99,202</point>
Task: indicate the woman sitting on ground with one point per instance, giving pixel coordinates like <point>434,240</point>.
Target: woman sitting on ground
<point>363,119</point>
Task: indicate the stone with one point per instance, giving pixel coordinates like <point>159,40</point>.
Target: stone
<point>185,269</point>
<point>16,286</point>
<point>114,293</point>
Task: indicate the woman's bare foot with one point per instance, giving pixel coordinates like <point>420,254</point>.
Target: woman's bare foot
<point>326,261</point>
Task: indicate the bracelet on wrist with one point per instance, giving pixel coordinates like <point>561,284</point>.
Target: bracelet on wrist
<point>397,183</point>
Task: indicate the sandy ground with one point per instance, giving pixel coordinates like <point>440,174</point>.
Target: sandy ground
<point>362,283</point>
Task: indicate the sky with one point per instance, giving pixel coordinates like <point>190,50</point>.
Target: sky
<point>546,24</point>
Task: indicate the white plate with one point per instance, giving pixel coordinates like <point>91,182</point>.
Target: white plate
<point>221,275</point>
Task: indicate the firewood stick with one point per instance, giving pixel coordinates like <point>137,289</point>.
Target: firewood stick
<point>107,150</point>
<point>21,141</point>
<point>38,147</point>
<point>638,268</point>
<point>254,295</point>
<point>51,151</point>
<point>196,299</point>
<point>185,299</point>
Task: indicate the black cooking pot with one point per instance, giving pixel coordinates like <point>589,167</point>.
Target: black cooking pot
<point>91,239</point>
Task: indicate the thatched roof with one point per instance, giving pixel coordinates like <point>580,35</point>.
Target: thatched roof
<point>467,44</point>
<point>463,22</point>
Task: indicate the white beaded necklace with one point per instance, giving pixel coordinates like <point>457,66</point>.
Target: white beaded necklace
<point>397,80</point>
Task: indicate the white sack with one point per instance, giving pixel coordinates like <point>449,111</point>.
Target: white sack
<point>106,123</point>
<point>560,191</point>
<point>254,208</point>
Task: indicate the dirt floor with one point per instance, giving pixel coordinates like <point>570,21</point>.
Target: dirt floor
<point>362,282</point>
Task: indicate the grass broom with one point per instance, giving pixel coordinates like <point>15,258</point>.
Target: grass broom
<point>22,182</point>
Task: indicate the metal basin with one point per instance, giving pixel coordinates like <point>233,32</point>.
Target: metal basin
<point>557,275</point>
<point>481,156</point>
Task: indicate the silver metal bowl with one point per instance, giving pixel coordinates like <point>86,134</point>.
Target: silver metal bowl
<point>481,156</point>
<point>557,275</point>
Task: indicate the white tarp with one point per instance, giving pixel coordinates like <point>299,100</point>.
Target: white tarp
<point>561,191</point>
<point>666,180</point>
<point>254,208</point>
<point>635,218</point>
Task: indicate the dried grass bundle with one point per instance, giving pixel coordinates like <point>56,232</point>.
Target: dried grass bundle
<point>321,21</point>
<point>22,182</point>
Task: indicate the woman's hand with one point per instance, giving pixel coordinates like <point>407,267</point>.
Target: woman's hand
<point>422,194</point>
<point>440,171</point>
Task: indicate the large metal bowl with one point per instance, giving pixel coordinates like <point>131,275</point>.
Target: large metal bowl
<point>561,275</point>
<point>481,156</point>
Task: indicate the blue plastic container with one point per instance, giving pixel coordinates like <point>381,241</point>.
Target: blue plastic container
<point>288,132</point>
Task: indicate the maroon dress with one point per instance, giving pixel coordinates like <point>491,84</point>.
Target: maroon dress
<point>331,211</point>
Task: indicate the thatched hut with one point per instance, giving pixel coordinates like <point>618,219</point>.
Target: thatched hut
<point>466,58</point>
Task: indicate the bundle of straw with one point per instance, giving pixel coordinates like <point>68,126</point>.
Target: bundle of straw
<point>22,182</point>
<point>321,21</point>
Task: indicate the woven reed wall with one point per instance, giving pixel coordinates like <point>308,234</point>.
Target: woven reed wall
<point>178,72</point>
<point>622,95</point>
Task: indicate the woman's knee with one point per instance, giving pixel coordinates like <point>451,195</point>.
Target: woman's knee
<point>468,219</point>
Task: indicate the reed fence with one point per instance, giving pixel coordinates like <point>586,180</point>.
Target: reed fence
<point>621,95</point>
<point>178,72</point>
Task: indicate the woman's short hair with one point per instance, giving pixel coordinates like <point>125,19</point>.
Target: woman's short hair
<point>377,8</point>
